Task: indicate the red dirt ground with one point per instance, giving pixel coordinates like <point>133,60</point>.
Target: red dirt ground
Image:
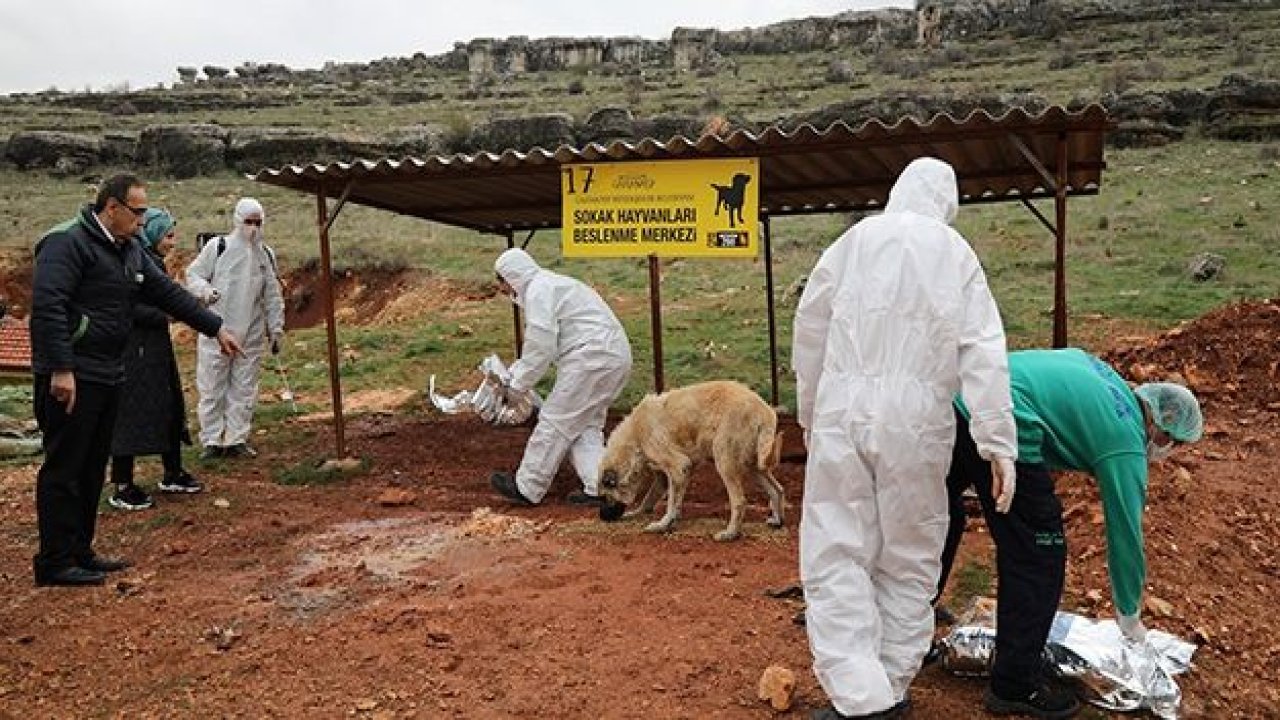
<point>257,599</point>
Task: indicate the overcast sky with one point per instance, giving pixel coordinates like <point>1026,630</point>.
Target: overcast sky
<point>73,44</point>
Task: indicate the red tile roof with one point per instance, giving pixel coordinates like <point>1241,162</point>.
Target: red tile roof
<point>15,346</point>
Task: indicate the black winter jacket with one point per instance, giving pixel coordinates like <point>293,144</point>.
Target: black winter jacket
<point>153,419</point>
<point>82,298</point>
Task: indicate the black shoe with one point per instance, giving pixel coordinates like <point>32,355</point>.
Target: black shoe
<point>505,484</point>
<point>1047,701</point>
<point>578,497</point>
<point>183,483</point>
<point>243,450</point>
<point>70,577</point>
<point>129,497</point>
<point>102,564</point>
<point>897,711</point>
<point>212,452</point>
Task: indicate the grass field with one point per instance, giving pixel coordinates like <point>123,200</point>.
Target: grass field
<point>1127,266</point>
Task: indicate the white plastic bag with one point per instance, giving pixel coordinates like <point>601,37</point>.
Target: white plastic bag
<point>492,400</point>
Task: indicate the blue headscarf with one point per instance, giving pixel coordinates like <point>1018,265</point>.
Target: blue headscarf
<point>156,223</point>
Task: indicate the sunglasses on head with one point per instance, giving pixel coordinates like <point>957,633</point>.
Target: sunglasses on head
<point>257,222</point>
<point>138,212</point>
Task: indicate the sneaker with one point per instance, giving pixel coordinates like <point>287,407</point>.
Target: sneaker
<point>211,452</point>
<point>130,497</point>
<point>183,483</point>
<point>1047,701</point>
<point>505,484</point>
<point>241,450</point>
<point>578,497</point>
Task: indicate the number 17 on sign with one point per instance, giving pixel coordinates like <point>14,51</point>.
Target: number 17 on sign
<point>572,175</point>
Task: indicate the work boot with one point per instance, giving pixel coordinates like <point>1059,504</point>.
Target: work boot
<point>244,450</point>
<point>70,577</point>
<point>211,452</point>
<point>104,564</point>
<point>897,711</point>
<point>505,484</point>
<point>1051,702</point>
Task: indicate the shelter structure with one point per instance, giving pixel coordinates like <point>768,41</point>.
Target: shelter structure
<point>1014,157</point>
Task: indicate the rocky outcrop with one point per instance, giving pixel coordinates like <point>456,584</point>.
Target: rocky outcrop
<point>1244,109</point>
<point>518,54</point>
<point>251,149</point>
<point>956,20</point>
<point>548,131</point>
<point>61,152</point>
<point>1240,108</point>
<point>870,29</point>
<point>183,151</point>
<point>608,124</point>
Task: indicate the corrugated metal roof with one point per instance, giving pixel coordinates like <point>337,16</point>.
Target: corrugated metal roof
<point>803,170</point>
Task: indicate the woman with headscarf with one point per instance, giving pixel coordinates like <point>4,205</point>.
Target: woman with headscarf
<point>235,275</point>
<point>153,419</point>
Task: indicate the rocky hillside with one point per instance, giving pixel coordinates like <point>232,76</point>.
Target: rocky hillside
<point>1162,68</point>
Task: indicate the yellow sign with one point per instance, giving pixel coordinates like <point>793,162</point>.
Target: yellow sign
<point>673,208</point>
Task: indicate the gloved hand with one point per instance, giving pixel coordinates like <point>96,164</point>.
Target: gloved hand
<point>1132,628</point>
<point>1004,480</point>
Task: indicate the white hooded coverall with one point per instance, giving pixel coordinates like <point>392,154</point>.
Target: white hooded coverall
<point>894,319</point>
<point>248,299</point>
<point>566,322</point>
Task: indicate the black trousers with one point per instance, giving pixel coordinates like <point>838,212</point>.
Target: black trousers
<point>76,448</point>
<point>1031,560</point>
<point>122,466</point>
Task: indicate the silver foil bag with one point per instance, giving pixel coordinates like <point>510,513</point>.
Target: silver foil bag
<point>489,400</point>
<point>1112,672</point>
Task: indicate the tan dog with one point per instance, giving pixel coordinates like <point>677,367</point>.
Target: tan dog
<point>665,435</point>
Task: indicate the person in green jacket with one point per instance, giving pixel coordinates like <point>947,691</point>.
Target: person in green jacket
<point>1073,412</point>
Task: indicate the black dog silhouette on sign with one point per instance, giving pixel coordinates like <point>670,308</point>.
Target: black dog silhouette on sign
<point>732,197</point>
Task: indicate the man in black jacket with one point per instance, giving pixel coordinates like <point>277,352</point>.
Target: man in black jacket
<point>88,274</point>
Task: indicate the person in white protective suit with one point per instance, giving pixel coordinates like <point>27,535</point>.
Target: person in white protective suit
<point>235,276</point>
<point>568,323</point>
<point>895,318</point>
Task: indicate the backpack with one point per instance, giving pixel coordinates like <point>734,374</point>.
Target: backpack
<point>203,238</point>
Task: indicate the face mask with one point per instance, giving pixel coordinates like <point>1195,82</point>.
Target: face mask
<point>1156,453</point>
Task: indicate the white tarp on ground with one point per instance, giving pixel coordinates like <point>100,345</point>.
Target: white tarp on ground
<point>493,401</point>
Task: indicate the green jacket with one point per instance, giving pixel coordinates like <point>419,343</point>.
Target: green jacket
<point>1075,413</point>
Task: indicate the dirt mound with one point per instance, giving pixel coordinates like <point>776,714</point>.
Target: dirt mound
<point>15,282</point>
<point>372,294</point>
<point>1230,356</point>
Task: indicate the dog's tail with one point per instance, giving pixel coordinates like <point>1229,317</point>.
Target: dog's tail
<point>769,450</point>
